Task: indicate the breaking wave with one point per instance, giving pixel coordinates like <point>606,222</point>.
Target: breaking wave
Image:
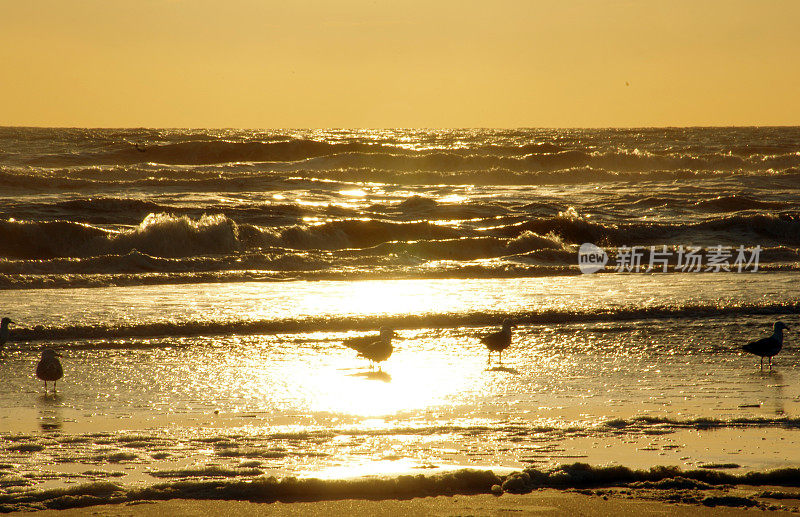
<point>158,234</point>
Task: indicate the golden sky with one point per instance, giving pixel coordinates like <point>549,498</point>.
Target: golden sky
<point>392,63</point>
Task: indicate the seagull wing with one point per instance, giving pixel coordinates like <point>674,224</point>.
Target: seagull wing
<point>49,370</point>
<point>760,346</point>
<point>496,340</point>
<point>489,338</point>
<point>378,350</point>
<point>360,343</point>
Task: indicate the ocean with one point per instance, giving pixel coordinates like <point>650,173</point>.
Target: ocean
<point>201,286</point>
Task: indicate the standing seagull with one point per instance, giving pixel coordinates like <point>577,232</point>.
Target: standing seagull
<point>4,331</point>
<point>768,346</point>
<point>498,341</point>
<point>375,348</point>
<point>49,368</point>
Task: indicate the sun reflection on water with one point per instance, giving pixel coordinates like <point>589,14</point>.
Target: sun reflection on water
<point>413,380</point>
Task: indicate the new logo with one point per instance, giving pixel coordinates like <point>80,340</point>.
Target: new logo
<point>591,258</point>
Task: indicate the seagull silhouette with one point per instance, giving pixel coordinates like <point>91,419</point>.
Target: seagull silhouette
<point>4,331</point>
<point>375,348</point>
<point>498,341</point>
<point>768,346</point>
<point>49,368</point>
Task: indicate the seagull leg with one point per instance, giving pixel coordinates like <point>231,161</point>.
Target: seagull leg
<point>501,358</point>
<point>54,387</point>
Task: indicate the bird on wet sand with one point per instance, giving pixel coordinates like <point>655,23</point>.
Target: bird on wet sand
<point>498,341</point>
<point>49,368</point>
<point>768,346</point>
<point>375,348</point>
<point>4,331</point>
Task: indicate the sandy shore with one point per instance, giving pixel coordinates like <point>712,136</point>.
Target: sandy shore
<point>545,502</point>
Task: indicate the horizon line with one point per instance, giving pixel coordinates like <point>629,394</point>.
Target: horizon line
<point>430,128</point>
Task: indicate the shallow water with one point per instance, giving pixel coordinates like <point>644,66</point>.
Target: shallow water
<point>599,384</point>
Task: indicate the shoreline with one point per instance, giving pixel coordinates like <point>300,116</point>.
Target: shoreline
<point>547,502</point>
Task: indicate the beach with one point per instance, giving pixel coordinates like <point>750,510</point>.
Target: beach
<point>202,294</point>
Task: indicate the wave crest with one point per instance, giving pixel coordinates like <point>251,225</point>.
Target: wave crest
<point>166,235</point>
<point>159,234</point>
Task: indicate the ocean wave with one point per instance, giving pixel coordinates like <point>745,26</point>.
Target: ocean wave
<point>217,150</point>
<point>267,177</point>
<point>317,154</point>
<point>46,239</point>
<point>198,152</point>
<point>540,263</point>
<point>690,204</point>
<point>165,235</point>
<point>296,270</point>
<point>337,324</point>
<point>361,234</point>
<point>468,248</point>
<point>158,234</point>
<point>744,229</point>
<point>625,162</point>
<point>734,203</point>
<point>100,180</point>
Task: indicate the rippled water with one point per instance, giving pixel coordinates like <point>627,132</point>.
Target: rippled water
<point>128,207</point>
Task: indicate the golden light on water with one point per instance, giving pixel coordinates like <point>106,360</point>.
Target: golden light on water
<point>356,192</point>
<point>411,381</point>
<point>423,372</point>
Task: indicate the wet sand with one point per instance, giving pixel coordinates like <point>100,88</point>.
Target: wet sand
<point>545,503</point>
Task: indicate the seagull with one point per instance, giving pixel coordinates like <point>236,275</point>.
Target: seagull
<point>768,346</point>
<point>498,341</point>
<point>375,348</point>
<point>4,331</point>
<point>49,368</point>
